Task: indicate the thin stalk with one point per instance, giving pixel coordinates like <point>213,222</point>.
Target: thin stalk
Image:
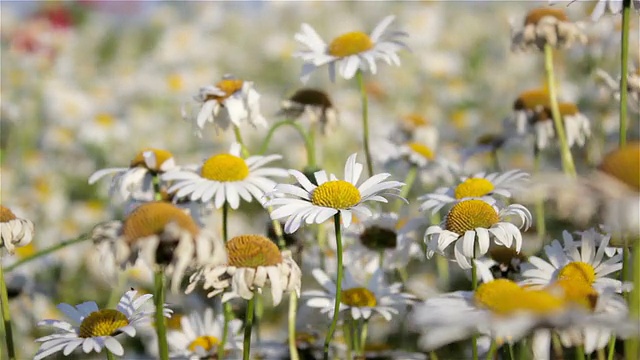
<point>363,336</point>
<point>336,307</point>
<point>157,195</point>
<point>248,323</point>
<point>277,229</point>
<point>110,355</point>
<point>631,346</point>
<point>474,284</point>
<point>308,140</point>
<point>558,352</point>
<point>442,264</point>
<point>494,160</point>
<point>624,63</point>
<point>346,330</point>
<point>567,159</point>
<point>161,330</point>
<point>492,350</point>
<point>612,347</point>
<point>512,355</point>
<point>47,251</point>
<point>433,355</point>
<point>365,122</point>
<point>259,312</point>
<point>541,226</point>
<point>293,308</point>
<point>226,306</point>
<point>579,354</point>
<point>236,132</point>
<point>116,292</point>
<point>601,355</point>
<point>6,317</point>
<point>408,183</point>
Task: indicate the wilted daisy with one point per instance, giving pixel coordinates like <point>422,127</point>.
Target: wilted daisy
<point>471,225</point>
<point>527,104</point>
<point>200,335</point>
<point>576,125</point>
<point>237,99</point>
<point>136,181</point>
<point>351,51</point>
<point>93,329</point>
<point>162,235</point>
<point>14,231</point>
<point>254,262</point>
<point>315,105</point>
<point>481,186</point>
<point>226,178</point>
<point>359,300</point>
<point>579,261</point>
<point>315,204</point>
<point>544,26</point>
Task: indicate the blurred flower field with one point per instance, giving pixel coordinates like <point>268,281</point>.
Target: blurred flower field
<point>320,180</point>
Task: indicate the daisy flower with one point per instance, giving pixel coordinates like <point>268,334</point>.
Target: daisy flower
<point>93,329</point>
<point>471,225</point>
<point>351,51</point>
<point>577,126</point>
<point>614,6</point>
<point>580,261</point>
<point>226,178</point>
<point>162,235</point>
<point>313,104</point>
<point>315,204</point>
<point>415,127</point>
<point>358,300</point>
<point>254,262</point>
<point>237,99</point>
<point>136,181</point>
<point>481,185</point>
<point>546,26</point>
<point>14,231</point>
<point>200,334</point>
<point>525,107</point>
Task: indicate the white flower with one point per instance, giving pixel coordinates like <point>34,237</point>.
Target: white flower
<point>544,26</point>
<point>577,261</point>
<point>577,126</point>
<point>350,52</point>
<point>481,185</point>
<point>200,334</point>
<point>254,263</point>
<point>315,204</point>
<point>615,7</point>
<point>471,225</point>
<point>226,178</point>
<point>14,232</point>
<point>358,300</point>
<point>94,329</point>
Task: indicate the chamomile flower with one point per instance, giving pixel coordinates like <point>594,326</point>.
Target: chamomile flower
<point>416,154</point>
<point>577,126</point>
<point>14,231</point>
<point>200,335</point>
<point>351,51</point>
<point>579,261</point>
<point>358,300</point>
<point>94,329</point>
<point>478,186</point>
<point>315,204</point>
<point>544,26</point>
<point>136,181</point>
<point>163,235</point>
<point>230,102</point>
<point>527,104</point>
<point>313,104</point>
<point>226,178</point>
<point>471,225</point>
<point>254,262</point>
<point>614,6</point>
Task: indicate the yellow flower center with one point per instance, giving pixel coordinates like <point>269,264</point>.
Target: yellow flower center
<point>531,99</point>
<point>421,150</point>
<point>576,292</point>
<point>105,119</point>
<point>337,194</point>
<point>351,43</point>
<point>379,238</point>
<point>566,109</point>
<point>252,251</point>
<point>174,322</point>
<point>229,87</point>
<point>151,218</point>
<point>413,121</point>
<point>206,342</point>
<point>578,271</point>
<point>624,165</point>
<point>225,168</point>
<point>470,214</point>
<point>161,157</point>
<point>473,187</point>
<point>535,15</point>
<point>175,82</point>
<point>358,297</point>
<point>26,251</point>
<point>104,322</point>
<point>6,215</point>
<point>506,297</point>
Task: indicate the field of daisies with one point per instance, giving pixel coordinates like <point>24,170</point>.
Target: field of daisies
<point>320,180</point>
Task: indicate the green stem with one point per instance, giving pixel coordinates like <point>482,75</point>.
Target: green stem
<point>346,330</point>
<point>47,251</point>
<point>579,354</point>
<point>226,306</point>
<point>236,132</point>
<point>308,139</point>
<point>293,307</point>
<point>363,337</point>
<point>408,183</point>
<point>433,355</point>
<point>494,160</point>
<point>541,227</point>
<point>157,195</point>
<point>336,307</point>
<point>110,355</point>
<point>310,142</point>
<point>624,60</point>
<point>163,348</point>
<point>365,122</point>
<point>246,349</point>
<point>6,317</point>
<point>567,159</point>
<point>612,347</point>
<point>632,346</point>
<point>492,350</point>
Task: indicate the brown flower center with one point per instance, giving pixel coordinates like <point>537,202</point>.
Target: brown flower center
<point>6,214</point>
<point>252,251</point>
<point>535,15</point>
<point>312,97</point>
<point>379,238</point>
<point>531,99</point>
<point>161,157</point>
<point>152,218</point>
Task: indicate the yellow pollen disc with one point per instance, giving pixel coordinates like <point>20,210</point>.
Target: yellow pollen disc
<point>6,215</point>
<point>505,297</point>
<point>470,214</point>
<point>225,168</point>
<point>535,15</point>
<point>175,82</point>
<point>161,157</point>
<point>358,297</point>
<point>473,187</point>
<point>102,323</point>
<point>251,251</point>
<point>206,342</point>
<point>492,295</point>
<point>531,99</point>
<point>578,271</point>
<point>336,194</point>
<point>151,218</point>
<point>422,150</point>
<point>577,292</point>
<point>26,251</point>
<point>351,43</point>
<point>624,165</point>
<point>105,119</point>
<point>567,108</point>
<point>228,86</point>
